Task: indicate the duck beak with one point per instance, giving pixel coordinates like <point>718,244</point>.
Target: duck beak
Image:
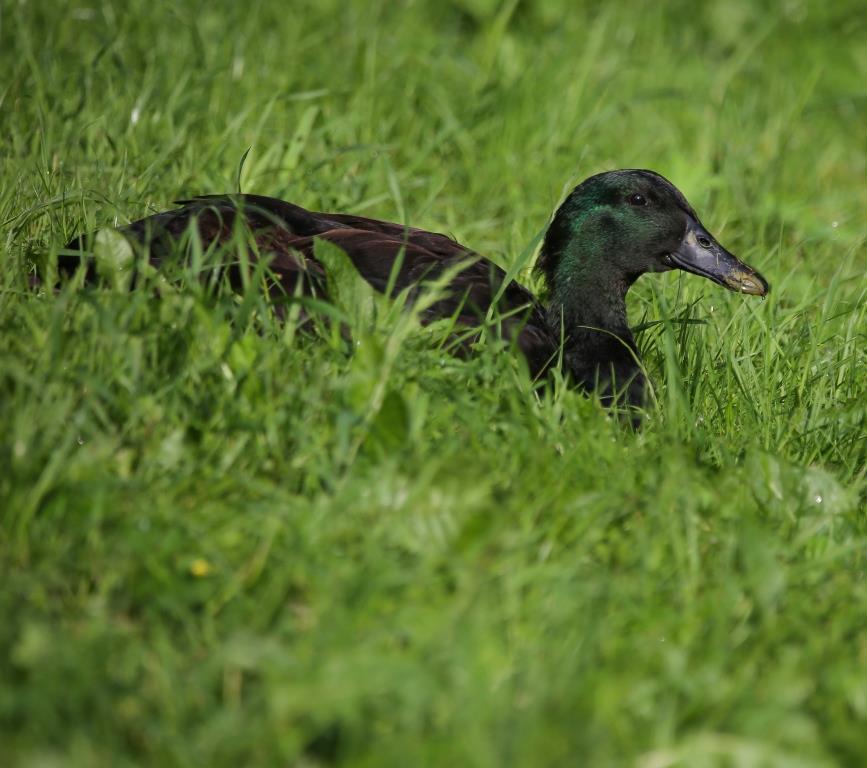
<point>701,254</point>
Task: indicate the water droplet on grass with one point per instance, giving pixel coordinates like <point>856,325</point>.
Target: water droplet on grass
<point>818,499</point>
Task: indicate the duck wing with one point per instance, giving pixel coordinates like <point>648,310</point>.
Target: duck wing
<point>286,233</point>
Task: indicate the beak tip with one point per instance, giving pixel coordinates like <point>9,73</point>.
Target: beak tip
<point>756,285</point>
<point>749,282</point>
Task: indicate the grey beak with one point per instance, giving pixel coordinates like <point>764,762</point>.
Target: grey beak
<point>701,254</point>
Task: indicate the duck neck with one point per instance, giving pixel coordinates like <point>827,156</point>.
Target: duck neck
<point>589,315</point>
<point>587,311</point>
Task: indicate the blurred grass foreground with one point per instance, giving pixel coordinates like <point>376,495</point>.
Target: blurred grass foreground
<point>227,542</point>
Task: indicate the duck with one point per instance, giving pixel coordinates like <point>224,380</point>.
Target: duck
<point>611,228</point>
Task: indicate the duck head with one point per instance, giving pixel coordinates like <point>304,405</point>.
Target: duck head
<point>611,229</point>
<point>617,225</point>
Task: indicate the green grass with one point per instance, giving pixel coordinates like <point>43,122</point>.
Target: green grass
<point>226,542</point>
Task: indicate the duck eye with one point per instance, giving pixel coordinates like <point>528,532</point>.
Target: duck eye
<point>637,199</point>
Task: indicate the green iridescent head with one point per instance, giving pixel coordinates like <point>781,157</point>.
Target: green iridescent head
<point>617,225</point>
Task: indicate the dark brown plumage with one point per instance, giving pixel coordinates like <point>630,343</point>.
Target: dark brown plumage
<point>286,232</point>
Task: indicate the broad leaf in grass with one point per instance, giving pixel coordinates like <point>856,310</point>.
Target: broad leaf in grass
<point>348,291</point>
<point>114,258</point>
<point>390,427</point>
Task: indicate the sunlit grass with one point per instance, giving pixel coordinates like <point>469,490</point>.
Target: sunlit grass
<point>228,540</point>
